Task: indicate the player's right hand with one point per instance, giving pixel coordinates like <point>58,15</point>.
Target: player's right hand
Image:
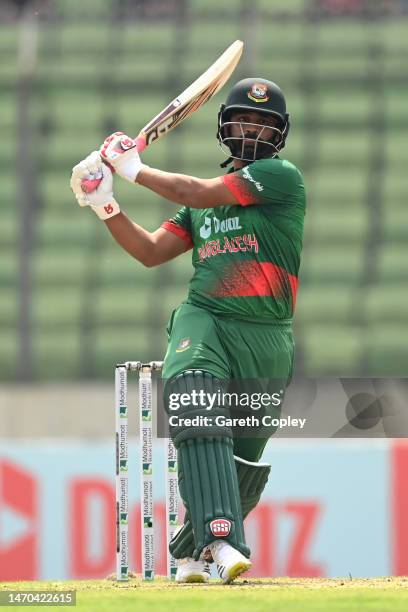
<point>101,200</point>
<point>120,152</point>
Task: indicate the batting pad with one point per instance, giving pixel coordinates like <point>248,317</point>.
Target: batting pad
<point>209,487</point>
<point>252,479</point>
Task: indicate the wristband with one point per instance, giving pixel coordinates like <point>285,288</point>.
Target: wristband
<point>142,167</point>
<point>131,178</point>
<point>107,210</point>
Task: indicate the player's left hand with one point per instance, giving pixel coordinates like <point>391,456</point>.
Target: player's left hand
<point>120,152</point>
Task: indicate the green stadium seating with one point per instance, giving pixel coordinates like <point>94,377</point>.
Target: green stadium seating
<point>9,269</point>
<point>120,306</point>
<point>119,269</point>
<point>395,98</point>
<point>80,109</point>
<point>352,192</point>
<point>137,39</point>
<point>180,270</point>
<point>320,304</point>
<point>9,351</point>
<point>395,149</point>
<point>387,350</point>
<point>8,110</point>
<point>395,221</point>
<point>76,10</point>
<point>64,151</point>
<point>343,66</point>
<point>9,39</point>
<point>8,235</point>
<point>60,268</point>
<point>57,354</point>
<point>125,343</point>
<point>341,151</point>
<point>8,308</point>
<point>342,225</point>
<point>294,8</point>
<point>386,305</point>
<point>325,266</point>
<point>333,349</point>
<point>56,231</point>
<point>9,188</point>
<point>392,31</point>
<point>93,304</point>
<point>339,31</point>
<point>60,310</point>
<point>392,266</point>
<point>172,298</point>
<point>395,188</point>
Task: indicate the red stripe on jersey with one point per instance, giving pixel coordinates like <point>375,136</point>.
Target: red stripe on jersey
<point>179,231</point>
<point>239,189</point>
<point>251,278</point>
<point>293,280</point>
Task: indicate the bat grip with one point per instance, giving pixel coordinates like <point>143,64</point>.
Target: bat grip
<point>89,185</point>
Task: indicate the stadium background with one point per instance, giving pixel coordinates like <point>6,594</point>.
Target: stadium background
<point>72,303</point>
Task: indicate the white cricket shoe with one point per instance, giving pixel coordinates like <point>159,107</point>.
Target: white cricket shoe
<point>230,562</point>
<point>189,570</point>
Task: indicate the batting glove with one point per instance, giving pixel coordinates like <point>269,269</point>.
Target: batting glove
<point>120,152</point>
<point>101,200</point>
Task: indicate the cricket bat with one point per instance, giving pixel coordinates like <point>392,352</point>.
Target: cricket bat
<point>190,100</point>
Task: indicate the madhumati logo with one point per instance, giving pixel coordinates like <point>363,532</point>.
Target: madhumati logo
<point>218,225</point>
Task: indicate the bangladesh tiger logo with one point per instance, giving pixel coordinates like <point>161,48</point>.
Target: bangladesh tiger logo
<point>258,93</point>
<point>183,345</point>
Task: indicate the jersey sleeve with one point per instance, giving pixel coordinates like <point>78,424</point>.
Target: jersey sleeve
<point>180,225</point>
<point>266,181</point>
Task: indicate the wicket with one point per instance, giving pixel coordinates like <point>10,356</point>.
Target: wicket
<point>146,473</point>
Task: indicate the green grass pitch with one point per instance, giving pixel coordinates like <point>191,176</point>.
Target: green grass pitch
<point>245,595</point>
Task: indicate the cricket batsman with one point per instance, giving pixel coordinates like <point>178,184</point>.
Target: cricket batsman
<point>245,230</point>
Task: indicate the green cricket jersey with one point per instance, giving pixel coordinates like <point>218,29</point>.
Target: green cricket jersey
<point>246,257</point>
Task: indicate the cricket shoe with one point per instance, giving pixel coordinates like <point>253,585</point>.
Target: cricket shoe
<point>229,561</point>
<point>189,570</point>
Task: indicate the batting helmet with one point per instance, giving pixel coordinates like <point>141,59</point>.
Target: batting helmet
<point>259,95</point>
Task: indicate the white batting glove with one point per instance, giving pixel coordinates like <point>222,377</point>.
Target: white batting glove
<point>120,152</point>
<point>101,200</point>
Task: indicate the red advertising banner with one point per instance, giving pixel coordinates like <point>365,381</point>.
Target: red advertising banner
<point>19,548</point>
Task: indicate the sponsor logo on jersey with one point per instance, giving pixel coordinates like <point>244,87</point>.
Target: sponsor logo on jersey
<point>183,345</point>
<point>220,528</point>
<point>258,93</point>
<point>218,225</point>
<point>248,176</point>
<point>205,229</point>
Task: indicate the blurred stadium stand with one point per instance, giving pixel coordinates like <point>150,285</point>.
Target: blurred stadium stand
<point>72,303</point>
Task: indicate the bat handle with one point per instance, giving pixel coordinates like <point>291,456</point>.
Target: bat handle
<point>89,185</point>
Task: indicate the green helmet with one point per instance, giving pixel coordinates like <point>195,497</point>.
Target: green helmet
<point>259,95</point>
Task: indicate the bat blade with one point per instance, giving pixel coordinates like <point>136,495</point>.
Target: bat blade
<point>197,94</point>
<point>190,100</point>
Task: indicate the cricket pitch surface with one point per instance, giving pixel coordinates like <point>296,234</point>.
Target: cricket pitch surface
<point>244,595</point>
